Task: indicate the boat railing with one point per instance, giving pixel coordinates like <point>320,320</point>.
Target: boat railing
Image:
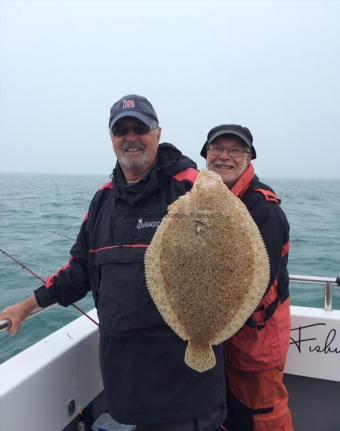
<point>5,324</point>
<point>327,282</point>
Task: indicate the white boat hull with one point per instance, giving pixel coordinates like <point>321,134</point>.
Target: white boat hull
<point>38,385</point>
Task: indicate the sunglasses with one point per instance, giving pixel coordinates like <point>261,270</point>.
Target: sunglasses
<point>139,130</point>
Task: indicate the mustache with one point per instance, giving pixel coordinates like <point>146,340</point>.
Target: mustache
<point>137,145</point>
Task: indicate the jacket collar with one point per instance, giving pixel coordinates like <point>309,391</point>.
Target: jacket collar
<point>243,183</point>
<point>170,162</point>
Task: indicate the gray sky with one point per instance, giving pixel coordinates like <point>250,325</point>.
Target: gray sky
<point>272,66</point>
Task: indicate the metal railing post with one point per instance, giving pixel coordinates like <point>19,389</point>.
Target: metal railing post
<point>327,282</point>
<point>328,296</point>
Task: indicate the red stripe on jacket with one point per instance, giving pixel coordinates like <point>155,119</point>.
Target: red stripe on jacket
<point>285,249</point>
<point>110,247</point>
<point>106,186</point>
<point>189,174</point>
<point>50,280</point>
<point>270,196</point>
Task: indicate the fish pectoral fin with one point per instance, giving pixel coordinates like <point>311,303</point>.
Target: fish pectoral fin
<point>200,357</point>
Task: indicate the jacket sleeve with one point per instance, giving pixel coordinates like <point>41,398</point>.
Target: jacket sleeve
<point>274,230</point>
<point>71,282</point>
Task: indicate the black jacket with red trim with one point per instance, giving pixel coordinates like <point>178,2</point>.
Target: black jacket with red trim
<point>263,342</point>
<point>264,207</point>
<point>142,359</point>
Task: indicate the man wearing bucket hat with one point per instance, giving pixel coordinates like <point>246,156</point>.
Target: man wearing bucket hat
<point>146,381</point>
<point>257,399</point>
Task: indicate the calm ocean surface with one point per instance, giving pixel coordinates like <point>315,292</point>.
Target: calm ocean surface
<point>41,214</point>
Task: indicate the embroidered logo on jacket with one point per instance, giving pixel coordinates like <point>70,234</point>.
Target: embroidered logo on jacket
<point>145,224</point>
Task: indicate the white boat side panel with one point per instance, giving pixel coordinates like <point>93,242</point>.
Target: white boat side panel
<point>315,343</point>
<point>37,384</point>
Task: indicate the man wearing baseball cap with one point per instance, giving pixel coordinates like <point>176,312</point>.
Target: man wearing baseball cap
<point>146,381</point>
<point>255,356</point>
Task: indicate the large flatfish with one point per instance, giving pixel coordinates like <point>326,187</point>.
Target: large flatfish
<point>206,268</point>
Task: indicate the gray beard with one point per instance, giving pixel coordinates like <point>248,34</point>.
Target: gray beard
<point>134,165</point>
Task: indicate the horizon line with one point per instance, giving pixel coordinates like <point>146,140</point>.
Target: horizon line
<point>109,173</point>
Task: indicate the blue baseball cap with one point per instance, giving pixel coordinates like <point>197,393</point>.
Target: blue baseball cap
<point>135,106</point>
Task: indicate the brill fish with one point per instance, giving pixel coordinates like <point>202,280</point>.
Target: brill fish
<point>206,268</point>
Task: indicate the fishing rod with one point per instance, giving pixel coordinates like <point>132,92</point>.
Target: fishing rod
<point>44,281</point>
<point>62,235</point>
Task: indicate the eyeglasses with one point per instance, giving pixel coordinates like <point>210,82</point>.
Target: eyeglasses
<point>235,153</point>
<point>139,130</point>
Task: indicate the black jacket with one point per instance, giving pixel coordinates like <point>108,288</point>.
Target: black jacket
<point>142,359</point>
<point>262,343</point>
<point>274,228</point>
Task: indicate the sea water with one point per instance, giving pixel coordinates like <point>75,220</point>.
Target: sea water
<point>41,215</point>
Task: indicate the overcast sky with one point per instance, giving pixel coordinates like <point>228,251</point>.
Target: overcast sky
<point>272,66</point>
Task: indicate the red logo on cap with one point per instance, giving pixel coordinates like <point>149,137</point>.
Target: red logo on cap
<point>128,103</point>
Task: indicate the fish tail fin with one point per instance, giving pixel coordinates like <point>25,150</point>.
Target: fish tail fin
<point>200,357</point>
